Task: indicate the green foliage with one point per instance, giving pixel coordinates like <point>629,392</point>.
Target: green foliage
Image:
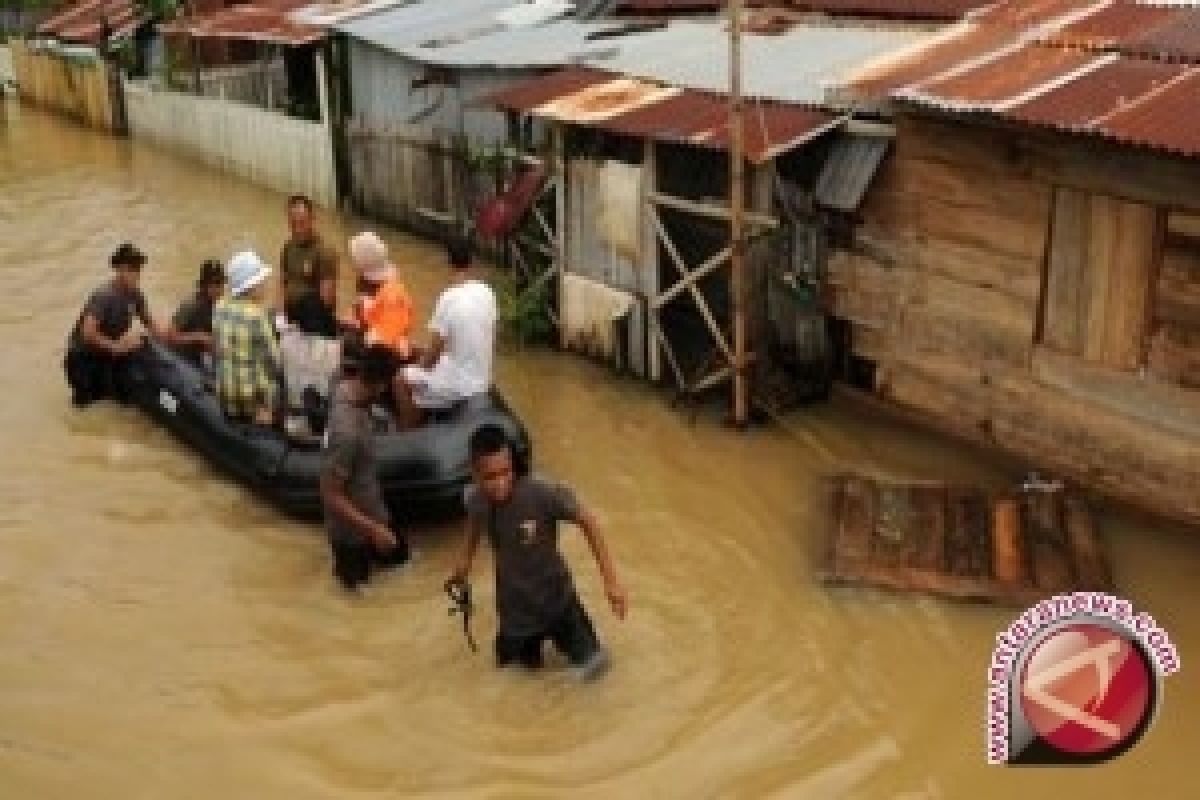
<point>524,313</point>
<point>159,9</point>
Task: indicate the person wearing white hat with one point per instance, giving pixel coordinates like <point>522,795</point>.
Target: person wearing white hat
<point>383,313</point>
<point>246,352</point>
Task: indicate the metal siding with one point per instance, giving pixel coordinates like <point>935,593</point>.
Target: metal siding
<point>381,96</point>
<point>849,169</point>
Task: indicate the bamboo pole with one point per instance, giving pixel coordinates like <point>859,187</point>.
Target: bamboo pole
<point>737,198</point>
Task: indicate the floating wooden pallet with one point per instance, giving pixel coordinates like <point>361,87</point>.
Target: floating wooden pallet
<point>960,541</point>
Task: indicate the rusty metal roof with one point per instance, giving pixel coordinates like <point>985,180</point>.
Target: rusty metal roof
<point>1176,38</point>
<point>1164,121</point>
<point>932,10</point>
<point>649,110</point>
<point>1004,80</point>
<point>1111,26</point>
<point>264,21</point>
<point>1085,103</point>
<point>83,22</point>
<point>287,22</point>
<point>1111,68</point>
<point>941,55</point>
<point>528,95</point>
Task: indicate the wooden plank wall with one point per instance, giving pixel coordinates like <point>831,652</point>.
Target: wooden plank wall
<point>268,148</point>
<point>400,172</point>
<point>1010,294</point>
<point>77,90</point>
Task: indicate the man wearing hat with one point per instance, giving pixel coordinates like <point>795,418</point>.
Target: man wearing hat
<point>383,312</point>
<point>190,332</point>
<point>246,352</point>
<point>103,338</point>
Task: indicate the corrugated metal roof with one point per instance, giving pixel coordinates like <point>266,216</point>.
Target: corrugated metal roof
<point>649,110</point>
<point>794,67</point>
<point>1165,121</point>
<point>83,22</point>
<point>528,95</point>
<point>287,22</point>
<point>944,53</point>
<point>1105,68</point>
<point>1110,26</point>
<point>933,10</point>
<point>1006,80</point>
<point>1176,38</point>
<point>702,119</point>
<point>1084,103</point>
<point>258,22</point>
<point>468,33</point>
<point>939,10</point>
<point>849,169</point>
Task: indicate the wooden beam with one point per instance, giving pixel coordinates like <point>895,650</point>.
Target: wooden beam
<point>712,379</point>
<point>701,302</point>
<point>1125,242</point>
<point>692,277</point>
<point>1152,402</point>
<point>661,338</point>
<point>711,211</point>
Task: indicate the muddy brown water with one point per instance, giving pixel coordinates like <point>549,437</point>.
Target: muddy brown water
<point>164,635</point>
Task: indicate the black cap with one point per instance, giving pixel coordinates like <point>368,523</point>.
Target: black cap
<point>458,252</point>
<point>127,255</point>
<point>373,364</point>
<point>211,274</point>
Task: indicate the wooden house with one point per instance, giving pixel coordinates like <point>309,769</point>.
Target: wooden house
<point>1025,272</point>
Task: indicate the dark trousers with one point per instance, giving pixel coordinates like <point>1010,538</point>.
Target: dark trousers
<point>310,314</point>
<point>96,376</point>
<point>355,559</point>
<point>572,634</point>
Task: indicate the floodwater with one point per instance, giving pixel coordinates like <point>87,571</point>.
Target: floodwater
<point>163,635</point>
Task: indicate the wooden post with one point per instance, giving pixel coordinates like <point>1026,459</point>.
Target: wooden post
<point>328,187</point>
<point>558,155</point>
<point>648,279</point>
<point>737,198</point>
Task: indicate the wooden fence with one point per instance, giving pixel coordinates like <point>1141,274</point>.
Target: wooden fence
<point>404,175</point>
<point>6,67</point>
<point>268,148</point>
<point>83,89</point>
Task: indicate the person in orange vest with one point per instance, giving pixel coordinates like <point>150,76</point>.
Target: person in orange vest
<point>382,313</point>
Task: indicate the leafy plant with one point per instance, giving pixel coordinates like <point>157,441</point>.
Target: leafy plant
<point>524,313</point>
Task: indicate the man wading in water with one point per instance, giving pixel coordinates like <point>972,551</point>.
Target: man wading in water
<point>356,517</point>
<point>535,596</point>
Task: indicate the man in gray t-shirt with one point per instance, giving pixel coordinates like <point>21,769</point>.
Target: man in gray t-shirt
<point>356,516</point>
<point>535,596</point>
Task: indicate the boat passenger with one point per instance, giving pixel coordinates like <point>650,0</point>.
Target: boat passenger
<point>190,332</point>
<point>383,311</point>
<point>308,273</point>
<point>246,352</point>
<point>458,361</point>
<point>103,339</point>
<point>356,517</point>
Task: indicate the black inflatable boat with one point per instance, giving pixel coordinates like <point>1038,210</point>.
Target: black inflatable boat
<point>423,472</point>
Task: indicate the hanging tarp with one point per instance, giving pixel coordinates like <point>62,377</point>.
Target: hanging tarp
<point>620,208</point>
<point>500,216</point>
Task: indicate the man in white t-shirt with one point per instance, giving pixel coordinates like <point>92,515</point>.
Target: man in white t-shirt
<point>458,361</point>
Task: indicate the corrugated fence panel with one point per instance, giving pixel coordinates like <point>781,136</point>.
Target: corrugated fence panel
<point>279,152</point>
<point>6,66</point>
<point>77,89</point>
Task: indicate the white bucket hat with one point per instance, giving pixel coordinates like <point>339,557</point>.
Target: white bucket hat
<point>369,255</point>
<point>246,270</point>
